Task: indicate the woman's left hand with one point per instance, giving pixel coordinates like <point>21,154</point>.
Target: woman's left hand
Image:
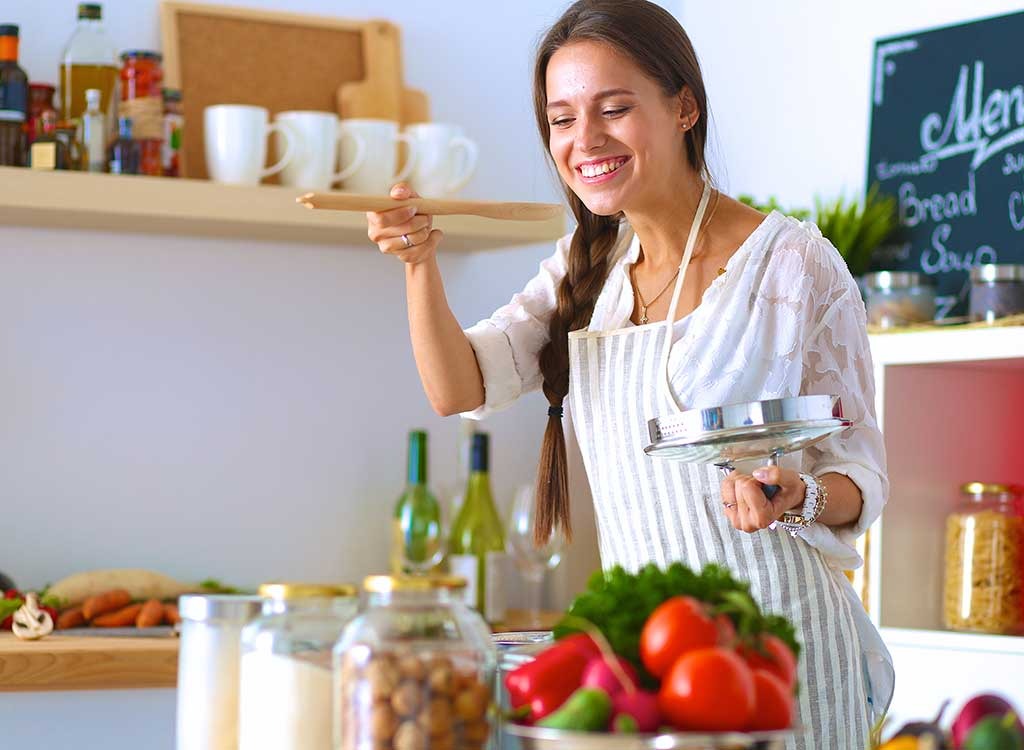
<point>749,509</point>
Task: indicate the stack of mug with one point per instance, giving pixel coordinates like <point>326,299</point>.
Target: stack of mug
<point>319,151</point>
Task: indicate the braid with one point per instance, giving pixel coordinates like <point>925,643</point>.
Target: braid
<point>589,252</point>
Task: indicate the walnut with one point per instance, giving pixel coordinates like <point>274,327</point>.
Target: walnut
<point>436,717</point>
<point>471,703</point>
<point>476,732</point>
<point>410,737</point>
<point>443,742</point>
<point>407,699</point>
<point>382,674</point>
<point>383,722</point>
<point>412,668</point>
<point>441,677</point>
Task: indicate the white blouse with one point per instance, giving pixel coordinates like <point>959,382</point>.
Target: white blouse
<point>785,319</point>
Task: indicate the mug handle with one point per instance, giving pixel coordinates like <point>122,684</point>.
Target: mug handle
<point>289,148</point>
<point>471,151</point>
<point>352,168</point>
<point>410,160</point>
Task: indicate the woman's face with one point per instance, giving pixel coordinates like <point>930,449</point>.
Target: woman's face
<point>616,138</point>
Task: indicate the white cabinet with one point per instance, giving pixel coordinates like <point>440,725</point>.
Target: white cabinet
<point>951,406</point>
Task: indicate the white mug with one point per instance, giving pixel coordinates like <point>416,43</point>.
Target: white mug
<point>316,154</point>
<point>235,136</point>
<point>380,139</point>
<point>445,159</point>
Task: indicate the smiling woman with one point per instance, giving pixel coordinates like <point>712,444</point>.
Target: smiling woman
<point>762,307</point>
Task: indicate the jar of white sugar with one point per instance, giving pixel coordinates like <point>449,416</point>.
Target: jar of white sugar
<point>285,692</point>
<point>208,669</point>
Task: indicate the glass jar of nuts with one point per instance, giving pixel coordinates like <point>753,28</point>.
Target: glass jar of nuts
<point>414,671</point>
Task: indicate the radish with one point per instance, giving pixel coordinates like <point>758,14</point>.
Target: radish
<point>976,709</point>
<point>598,674</point>
<point>640,705</point>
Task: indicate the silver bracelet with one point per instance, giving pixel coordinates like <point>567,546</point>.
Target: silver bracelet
<point>815,497</point>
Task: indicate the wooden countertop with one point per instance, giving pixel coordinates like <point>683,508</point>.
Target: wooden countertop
<point>69,662</point>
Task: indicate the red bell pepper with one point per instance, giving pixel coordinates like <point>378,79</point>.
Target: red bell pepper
<point>547,682</point>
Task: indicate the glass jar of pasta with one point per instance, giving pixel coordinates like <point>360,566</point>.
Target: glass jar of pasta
<point>414,671</point>
<point>984,587</point>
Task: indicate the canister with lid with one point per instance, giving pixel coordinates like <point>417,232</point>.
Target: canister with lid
<point>286,689</point>
<point>208,665</point>
<point>997,291</point>
<point>984,586</point>
<point>414,671</point>
<point>899,298</point>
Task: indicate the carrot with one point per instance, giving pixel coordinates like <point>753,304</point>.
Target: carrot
<point>171,615</point>
<point>151,615</point>
<point>70,618</point>
<point>122,618</point>
<point>108,601</point>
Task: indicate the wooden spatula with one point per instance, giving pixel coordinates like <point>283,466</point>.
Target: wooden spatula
<point>436,207</point>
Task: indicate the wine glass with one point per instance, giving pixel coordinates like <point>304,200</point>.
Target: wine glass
<point>531,560</point>
<point>422,533</point>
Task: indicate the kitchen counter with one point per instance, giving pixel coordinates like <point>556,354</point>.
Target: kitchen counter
<point>68,662</point>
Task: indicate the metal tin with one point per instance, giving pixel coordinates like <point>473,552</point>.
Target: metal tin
<point>997,272</point>
<point>749,430</point>
<point>997,291</point>
<point>205,607</point>
<point>894,279</point>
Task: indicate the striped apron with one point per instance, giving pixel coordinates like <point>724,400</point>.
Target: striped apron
<point>653,510</point>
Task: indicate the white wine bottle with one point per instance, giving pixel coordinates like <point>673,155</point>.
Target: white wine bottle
<point>416,543</point>
<point>476,544</point>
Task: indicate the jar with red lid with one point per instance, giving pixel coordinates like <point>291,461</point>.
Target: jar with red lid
<point>40,103</point>
<point>142,101</point>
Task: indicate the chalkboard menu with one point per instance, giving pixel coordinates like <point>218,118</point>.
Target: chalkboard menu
<point>947,140</point>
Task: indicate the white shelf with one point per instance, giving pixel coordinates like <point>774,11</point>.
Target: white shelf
<point>954,641</point>
<point>157,205</point>
<point>950,346</point>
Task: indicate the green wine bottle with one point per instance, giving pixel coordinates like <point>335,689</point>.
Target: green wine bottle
<point>476,544</point>
<point>416,545</point>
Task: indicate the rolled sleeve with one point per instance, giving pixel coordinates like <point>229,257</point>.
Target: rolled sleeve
<point>508,344</point>
<point>837,361</point>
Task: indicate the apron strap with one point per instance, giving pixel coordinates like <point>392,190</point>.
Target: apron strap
<point>691,241</point>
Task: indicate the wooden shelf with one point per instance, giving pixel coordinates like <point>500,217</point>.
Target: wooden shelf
<point>87,663</point>
<point>68,662</point>
<point>155,205</point>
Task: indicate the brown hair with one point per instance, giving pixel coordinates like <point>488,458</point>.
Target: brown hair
<point>654,40</point>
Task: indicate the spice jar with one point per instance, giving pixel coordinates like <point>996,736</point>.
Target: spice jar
<point>899,298</point>
<point>415,670</point>
<point>142,101</point>
<point>208,669</point>
<point>174,125</point>
<point>984,587</point>
<point>997,290</point>
<point>284,701</point>
<point>40,104</point>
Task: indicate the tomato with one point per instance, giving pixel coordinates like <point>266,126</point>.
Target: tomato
<point>678,625</point>
<point>710,689</point>
<point>773,703</point>
<point>772,655</point>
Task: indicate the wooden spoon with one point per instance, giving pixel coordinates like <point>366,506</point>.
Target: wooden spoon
<point>436,207</point>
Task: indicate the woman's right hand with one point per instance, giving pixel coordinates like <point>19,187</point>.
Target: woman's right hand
<point>402,232</point>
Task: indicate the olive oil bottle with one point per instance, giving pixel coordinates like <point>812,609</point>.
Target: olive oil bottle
<point>476,543</point>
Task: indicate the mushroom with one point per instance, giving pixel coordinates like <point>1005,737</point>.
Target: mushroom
<point>30,623</point>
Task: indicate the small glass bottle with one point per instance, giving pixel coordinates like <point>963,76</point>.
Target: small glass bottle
<point>174,126</point>
<point>124,152</point>
<point>13,101</point>
<point>417,545</point>
<point>285,684</point>
<point>414,671</point>
<point>984,584</point>
<point>73,157</point>
<point>93,133</point>
<point>142,100</point>
<point>40,102</point>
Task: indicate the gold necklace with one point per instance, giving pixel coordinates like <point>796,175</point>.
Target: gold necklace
<point>645,305</point>
<point>636,287</point>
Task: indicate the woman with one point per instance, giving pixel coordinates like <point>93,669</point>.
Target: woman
<point>757,307</point>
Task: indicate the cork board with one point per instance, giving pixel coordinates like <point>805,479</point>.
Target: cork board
<point>281,61</point>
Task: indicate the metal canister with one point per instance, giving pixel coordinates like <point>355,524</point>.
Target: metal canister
<point>997,291</point>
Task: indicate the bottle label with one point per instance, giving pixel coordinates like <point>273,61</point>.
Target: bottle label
<point>466,566</point>
<point>13,101</point>
<point>43,155</point>
<point>494,591</point>
<point>147,115</point>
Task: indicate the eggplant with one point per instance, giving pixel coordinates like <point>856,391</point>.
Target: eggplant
<point>929,729</point>
<point>6,583</point>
